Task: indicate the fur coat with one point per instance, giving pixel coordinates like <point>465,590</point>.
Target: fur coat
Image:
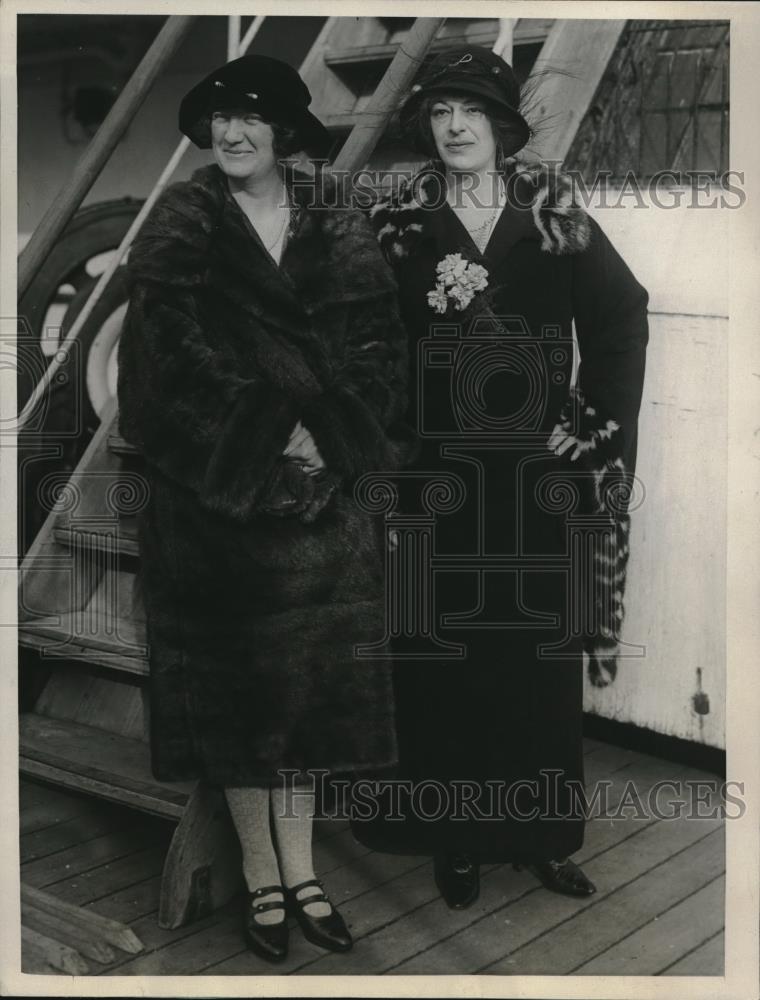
<point>252,616</point>
<point>609,310</point>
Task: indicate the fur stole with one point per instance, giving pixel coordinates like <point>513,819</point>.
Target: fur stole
<point>544,194</point>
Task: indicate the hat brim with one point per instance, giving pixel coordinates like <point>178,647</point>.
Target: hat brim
<point>460,84</point>
<point>197,109</point>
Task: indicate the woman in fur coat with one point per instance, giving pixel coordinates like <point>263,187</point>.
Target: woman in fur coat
<point>495,263</point>
<point>261,370</point>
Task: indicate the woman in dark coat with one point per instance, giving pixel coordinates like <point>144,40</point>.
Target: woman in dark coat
<point>261,370</point>
<point>495,263</point>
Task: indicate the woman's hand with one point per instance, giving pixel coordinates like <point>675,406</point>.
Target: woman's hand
<point>560,441</point>
<point>301,447</point>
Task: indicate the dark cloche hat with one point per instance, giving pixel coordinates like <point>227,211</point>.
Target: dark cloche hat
<point>469,70</point>
<point>259,83</point>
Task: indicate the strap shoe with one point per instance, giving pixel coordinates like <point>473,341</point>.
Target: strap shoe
<point>268,941</point>
<point>329,931</point>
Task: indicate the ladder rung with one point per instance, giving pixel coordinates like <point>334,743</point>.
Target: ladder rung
<point>358,54</point>
<point>101,539</point>
<point>527,31</point>
<point>98,763</point>
<point>341,123</point>
<point>119,446</point>
<point>66,636</point>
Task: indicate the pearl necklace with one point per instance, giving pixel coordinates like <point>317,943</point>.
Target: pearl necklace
<point>481,233</point>
<point>483,225</point>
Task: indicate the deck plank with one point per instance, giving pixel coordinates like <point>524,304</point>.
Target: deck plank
<point>420,918</point>
<point>133,901</point>
<point>51,807</point>
<point>706,960</point>
<point>408,891</point>
<point>32,792</point>
<point>334,846</point>
<point>191,953</point>
<point>53,868</point>
<point>94,821</point>
<point>611,758</point>
<point>197,952</point>
<point>621,912</point>
<point>485,946</point>
<point>105,880</point>
<point>670,935</point>
<point>154,937</point>
<point>390,902</point>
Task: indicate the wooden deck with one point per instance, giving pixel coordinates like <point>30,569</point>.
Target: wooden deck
<point>658,909</point>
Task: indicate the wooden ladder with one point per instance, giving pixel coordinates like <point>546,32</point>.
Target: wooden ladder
<point>350,56</point>
<point>88,729</point>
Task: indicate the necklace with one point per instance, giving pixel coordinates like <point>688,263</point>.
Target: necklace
<point>259,230</point>
<point>481,233</point>
<point>483,225</point>
<point>270,246</point>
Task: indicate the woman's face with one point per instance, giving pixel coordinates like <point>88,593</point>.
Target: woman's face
<point>462,133</point>
<point>242,143</point>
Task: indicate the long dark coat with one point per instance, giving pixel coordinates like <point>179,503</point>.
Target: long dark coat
<point>252,617</point>
<point>487,385</point>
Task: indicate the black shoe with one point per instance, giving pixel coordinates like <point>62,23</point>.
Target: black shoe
<point>269,941</point>
<point>561,876</point>
<point>458,879</point>
<point>329,931</point>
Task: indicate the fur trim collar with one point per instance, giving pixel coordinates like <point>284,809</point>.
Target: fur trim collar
<point>543,195</point>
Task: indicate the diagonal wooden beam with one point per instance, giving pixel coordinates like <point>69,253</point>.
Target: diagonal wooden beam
<point>574,58</point>
<point>78,919</point>
<point>395,82</point>
<point>709,72</point>
<point>96,155</point>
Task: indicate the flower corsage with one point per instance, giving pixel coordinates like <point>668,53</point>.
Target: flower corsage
<point>457,282</point>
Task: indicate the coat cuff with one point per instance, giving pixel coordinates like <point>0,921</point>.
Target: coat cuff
<point>602,444</point>
<point>599,437</point>
<point>347,433</point>
<point>250,443</point>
